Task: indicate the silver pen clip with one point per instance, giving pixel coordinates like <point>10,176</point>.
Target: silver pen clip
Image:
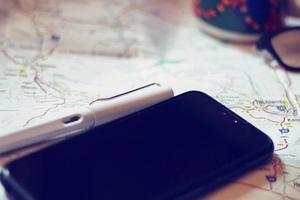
<point>124,93</point>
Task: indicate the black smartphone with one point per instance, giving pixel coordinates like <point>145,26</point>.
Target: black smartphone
<point>181,148</point>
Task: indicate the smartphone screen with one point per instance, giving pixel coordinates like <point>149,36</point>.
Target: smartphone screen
<point>177,149</point>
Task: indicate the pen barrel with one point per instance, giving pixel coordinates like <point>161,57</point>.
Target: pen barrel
<point>71,123</point>
<point>109,110</point>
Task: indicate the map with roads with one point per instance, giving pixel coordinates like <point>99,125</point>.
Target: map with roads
<point>61,55</point>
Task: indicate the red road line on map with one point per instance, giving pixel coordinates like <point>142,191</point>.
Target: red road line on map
<point>37,81</point>
<point>251,115</point>
<point>286,146</point>
<point>263,118</point>
<point>41,115</point>
<point>282,121</point>
<point>260,188</point>
<point>53,88</point>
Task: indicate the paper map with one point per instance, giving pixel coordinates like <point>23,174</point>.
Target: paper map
<point>60,55</point>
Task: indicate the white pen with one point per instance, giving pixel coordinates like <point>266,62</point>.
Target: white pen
<point>98,112</point>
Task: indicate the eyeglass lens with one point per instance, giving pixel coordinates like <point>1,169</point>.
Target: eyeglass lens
<point>287,46</point>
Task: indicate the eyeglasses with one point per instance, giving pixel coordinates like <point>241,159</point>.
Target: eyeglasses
<point>282,46</point>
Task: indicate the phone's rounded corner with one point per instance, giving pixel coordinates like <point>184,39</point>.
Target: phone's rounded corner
<point>268,150</point>
<point>5,179</point>
<point>271,144</point>
<point>4,173</point>
<point>12,189</point>
<point>195,92</point>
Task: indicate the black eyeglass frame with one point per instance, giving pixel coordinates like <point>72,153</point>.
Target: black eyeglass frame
<point>265,43</point>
